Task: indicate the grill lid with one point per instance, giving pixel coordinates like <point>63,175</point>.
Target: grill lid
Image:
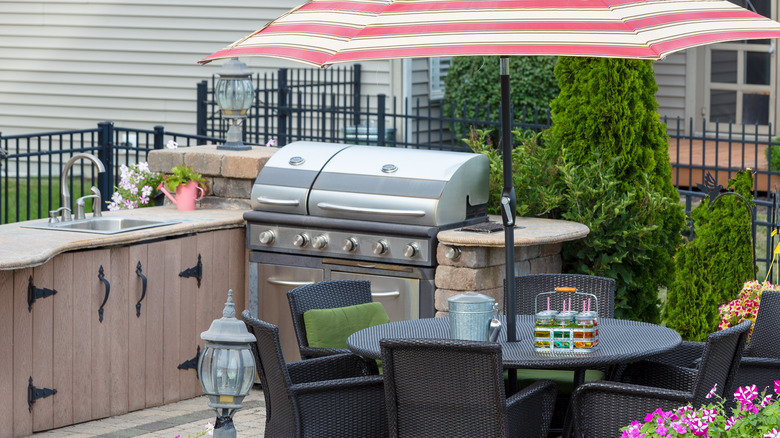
<point>408,186</point>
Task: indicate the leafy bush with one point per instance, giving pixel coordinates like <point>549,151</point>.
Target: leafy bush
<point>712,268</point>
<point>772,153</point>
<point>473,83</point>
<point>620,244</point>
<point>606,111</point>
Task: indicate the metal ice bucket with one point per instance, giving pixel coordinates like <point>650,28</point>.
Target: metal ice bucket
<point>470,316</point>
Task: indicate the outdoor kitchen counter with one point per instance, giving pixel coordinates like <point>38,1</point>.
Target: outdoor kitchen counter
<point>28,247</point>
<point>528,231</point>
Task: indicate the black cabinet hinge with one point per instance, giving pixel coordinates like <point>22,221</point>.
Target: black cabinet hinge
<point>195,271</point>
<point>35,293</point>
<point>34,393</point>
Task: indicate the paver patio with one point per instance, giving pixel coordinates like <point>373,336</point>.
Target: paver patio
<point>187,417</point>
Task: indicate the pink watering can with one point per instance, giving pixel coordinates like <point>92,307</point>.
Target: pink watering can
<point>186,195</point>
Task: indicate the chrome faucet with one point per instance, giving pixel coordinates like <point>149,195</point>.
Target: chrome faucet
<point>80,204</point>
<point>65,203</point>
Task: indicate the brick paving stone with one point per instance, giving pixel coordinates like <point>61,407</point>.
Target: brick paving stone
<point>187,417</point>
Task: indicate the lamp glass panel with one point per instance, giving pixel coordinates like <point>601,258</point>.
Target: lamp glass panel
<point>228,372</point>
<point>234,95</point>
<point>206,370</point>
<point>248,368</point>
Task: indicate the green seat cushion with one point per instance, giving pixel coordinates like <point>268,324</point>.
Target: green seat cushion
<point>564,379</point>
<point>330,328</point>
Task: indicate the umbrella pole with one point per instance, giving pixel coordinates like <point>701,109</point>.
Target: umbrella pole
<point>508,209</point>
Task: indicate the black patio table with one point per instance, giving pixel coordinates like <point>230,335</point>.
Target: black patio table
<point>620,341</point>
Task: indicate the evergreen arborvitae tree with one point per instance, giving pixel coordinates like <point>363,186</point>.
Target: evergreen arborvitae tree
<point>723,262</point>
<point>607,109</point>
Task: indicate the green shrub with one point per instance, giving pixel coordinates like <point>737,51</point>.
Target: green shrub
<point>712,268</point>
<point>774,160</point>
<point>606,111</point>
<point>535,178</point>
<point>473,82</point>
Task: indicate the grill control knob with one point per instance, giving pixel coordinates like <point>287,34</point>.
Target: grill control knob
<point>301,240</point>
<point>266,237</point>
<point>349,244</point>
<point>380,247</point>
<point>320,242</point>
<point>411,250</point>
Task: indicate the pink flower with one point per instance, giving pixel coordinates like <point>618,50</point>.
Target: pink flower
<point>777,386</point>
<point>698,427</point>
<point>746,393</point>
<point>709,415</point>
<point>679,427</point>
<point>730,422</point>
<point>774,433</point>
<point>766,401</point>
<point>712,391</point>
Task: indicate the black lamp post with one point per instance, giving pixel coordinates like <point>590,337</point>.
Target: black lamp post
<point>227,367</point>
<point>234,96</point>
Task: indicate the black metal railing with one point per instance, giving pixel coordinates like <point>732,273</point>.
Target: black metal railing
<point>31,164</point>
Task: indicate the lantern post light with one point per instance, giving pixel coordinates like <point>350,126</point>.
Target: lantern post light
<point>227,367</point>
<point>234,95</point>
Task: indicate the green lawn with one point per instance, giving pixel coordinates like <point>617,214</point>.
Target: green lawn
<point>39,190</point>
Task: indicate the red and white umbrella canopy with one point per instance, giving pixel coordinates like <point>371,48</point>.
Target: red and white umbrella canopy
<point>323,32</point>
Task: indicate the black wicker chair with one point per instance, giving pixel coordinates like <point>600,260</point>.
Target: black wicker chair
<point>324,295</point>
<point>760,364</point>
<point>599,409</point>
<point>330,396</point>
<point>527,287</point>
<point>449,388</point>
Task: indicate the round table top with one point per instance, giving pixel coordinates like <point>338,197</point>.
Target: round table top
<point>619,341</point>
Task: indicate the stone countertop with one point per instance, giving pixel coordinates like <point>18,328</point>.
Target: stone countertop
<point>27,247</point>
<point>528,231</point>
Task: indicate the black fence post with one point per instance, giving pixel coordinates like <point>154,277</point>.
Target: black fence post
<point>202,111</point>
<point>159,136</point>
<point>380,120</point>
<point>356,81</point>
<point>106,155</point>
<point>283,110</point>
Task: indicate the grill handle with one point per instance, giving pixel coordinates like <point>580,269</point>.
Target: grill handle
<point>382,211</point>
<point>272,201</point>
<point>289,282</point>
<point>394,293</point>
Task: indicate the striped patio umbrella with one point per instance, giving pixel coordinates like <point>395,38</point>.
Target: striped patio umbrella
<point>325,32</point>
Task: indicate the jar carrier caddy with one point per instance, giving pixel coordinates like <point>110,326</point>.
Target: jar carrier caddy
<point>571,338</point>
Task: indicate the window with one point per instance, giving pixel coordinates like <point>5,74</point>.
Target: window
<point>438,67</point>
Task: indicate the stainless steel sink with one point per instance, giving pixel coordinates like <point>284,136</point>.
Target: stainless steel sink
<point>103,225</point>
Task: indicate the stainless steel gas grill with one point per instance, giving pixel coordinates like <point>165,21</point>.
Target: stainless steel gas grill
<point>326,211</point>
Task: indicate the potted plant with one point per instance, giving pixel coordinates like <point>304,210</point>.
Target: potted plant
<point>137,187</point>
<point>188,185</point>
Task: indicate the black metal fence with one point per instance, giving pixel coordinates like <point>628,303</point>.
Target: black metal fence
<point>31,164</point>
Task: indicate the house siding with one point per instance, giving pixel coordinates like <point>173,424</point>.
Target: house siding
<point>71,64</point>
<point>670,77</point>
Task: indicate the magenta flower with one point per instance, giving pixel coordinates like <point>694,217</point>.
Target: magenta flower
<point>698,427</point>
<point>709,415</point>
<point>712,391</point>
<point>746,393</point>
<point>777,386</point>
<point>679,427</point>
<point>730,422</point>
<point>774,433</point>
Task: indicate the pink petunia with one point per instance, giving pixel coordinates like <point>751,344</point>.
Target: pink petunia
<point>709,415</point>
<point>774,433</point>
<point>777,386</point>
<point>698,427</point>
<point>730,422</point>
<point>679,427</point>
<point>712,391</point>
<point>746,393</point>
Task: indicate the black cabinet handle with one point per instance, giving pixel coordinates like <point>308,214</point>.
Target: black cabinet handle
<point>139,272</point>
<point>108,290</point>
